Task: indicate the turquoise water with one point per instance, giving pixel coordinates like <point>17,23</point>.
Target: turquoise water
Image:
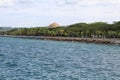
<point>27,59</point>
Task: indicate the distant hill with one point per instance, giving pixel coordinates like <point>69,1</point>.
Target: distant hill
<point>2,29</point>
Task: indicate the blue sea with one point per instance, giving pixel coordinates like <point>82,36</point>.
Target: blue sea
<point>29,59</point>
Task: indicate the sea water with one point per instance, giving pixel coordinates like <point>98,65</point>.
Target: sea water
<point>29,59</point>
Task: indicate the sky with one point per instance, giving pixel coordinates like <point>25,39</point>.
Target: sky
<point>29,13</point>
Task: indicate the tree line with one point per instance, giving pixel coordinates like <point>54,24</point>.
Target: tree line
<point>84,30</point>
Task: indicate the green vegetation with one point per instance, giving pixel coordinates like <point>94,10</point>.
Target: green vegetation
<point>84,30</point>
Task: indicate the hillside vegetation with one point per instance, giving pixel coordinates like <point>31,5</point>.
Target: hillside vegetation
<point>84,30</point>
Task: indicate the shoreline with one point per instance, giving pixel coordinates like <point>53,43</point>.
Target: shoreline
<point>71,39</point>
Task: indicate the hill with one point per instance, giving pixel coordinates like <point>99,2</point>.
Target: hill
<point>83,30</point>
<point>3,29</point>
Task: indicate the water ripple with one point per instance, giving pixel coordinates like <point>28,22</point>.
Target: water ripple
<point>25,59</point>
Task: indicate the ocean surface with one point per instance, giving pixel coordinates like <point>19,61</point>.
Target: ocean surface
<point>29,59</point>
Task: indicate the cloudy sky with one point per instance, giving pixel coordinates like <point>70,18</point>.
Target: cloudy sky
<point>65,12</point>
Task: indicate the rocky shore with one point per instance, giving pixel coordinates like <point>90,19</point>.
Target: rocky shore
<point>72,39</point>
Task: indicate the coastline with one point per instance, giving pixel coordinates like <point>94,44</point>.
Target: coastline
<point>71,39</point>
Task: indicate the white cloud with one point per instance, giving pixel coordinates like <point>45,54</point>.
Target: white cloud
<point>87,2</point>
<point>6,3</point>
<point>60,2</point>
<point>64,10</point>
<point>1,2</point>
<point>68,10</point>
